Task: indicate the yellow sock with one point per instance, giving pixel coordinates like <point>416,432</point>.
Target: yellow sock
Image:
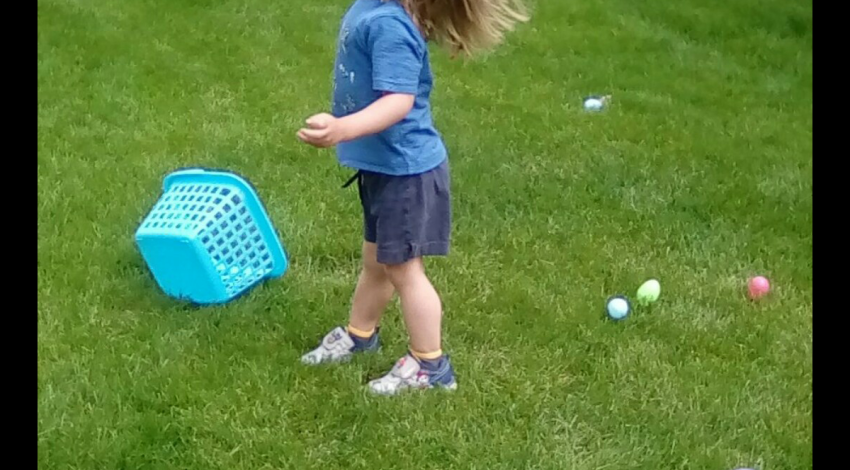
<point>359,333</point>
<point>429,356</point>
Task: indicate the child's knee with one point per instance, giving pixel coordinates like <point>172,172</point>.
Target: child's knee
<point>371,266</point>
<point>401,275</point>
<point>374,269</point>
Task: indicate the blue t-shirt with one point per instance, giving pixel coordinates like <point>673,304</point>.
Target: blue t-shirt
<point>381,51</point>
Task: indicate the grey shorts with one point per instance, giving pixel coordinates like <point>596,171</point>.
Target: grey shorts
<point>407,216</point>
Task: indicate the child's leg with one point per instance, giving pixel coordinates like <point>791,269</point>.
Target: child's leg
<point>425,366</point>
<point>421,307</point>
<point>412,217</point>
<point>371,296</point>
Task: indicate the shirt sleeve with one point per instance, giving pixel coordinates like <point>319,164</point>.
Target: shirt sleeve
<point>396,54</point>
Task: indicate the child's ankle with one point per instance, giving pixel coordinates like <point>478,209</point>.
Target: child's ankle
<point>358,333</point>
<point>362,339</point>
<point>429,360</point>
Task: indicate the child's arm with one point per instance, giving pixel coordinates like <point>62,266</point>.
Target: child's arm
<point>324,130</point>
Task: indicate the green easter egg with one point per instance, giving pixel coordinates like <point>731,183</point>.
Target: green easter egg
<point>649,292</point>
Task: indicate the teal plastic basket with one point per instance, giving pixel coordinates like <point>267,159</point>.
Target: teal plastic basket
<point>208,238</point>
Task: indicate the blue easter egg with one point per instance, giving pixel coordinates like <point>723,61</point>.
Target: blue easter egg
<point>618,307</point>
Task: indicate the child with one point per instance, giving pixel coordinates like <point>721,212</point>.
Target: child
<point>381,126</point>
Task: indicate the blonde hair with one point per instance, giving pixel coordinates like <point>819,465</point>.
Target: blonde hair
<point>466,26</point>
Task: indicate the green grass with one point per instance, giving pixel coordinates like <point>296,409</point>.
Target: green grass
<point>700,174</point>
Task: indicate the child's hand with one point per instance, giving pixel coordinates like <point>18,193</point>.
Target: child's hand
<point>323,130</point>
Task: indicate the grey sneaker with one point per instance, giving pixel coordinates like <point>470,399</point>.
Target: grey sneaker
<point>339,346</point>
<point>410,373</point>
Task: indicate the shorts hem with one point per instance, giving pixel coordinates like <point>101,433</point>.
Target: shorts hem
<point>390,256</point>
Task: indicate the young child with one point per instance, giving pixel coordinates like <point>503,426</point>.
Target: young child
<point>381,126</point>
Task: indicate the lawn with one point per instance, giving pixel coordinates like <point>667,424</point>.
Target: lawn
<point>699,174</point>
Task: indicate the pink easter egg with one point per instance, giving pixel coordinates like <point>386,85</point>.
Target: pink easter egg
<point>758,287</point>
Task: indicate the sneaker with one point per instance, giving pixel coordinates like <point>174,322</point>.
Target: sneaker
<point>339,346</point>
<point>408,372</point>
